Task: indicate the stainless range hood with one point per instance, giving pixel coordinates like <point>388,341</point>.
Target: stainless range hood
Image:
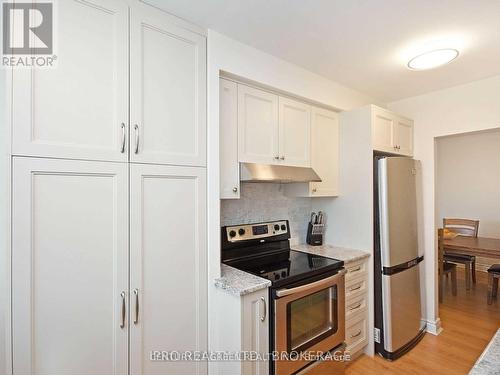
<point>250,172</point>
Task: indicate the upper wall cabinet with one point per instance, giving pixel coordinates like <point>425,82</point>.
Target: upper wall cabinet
<point>78,109</point>
<point>167,91</point>
<point>324,156</point>
<point>391,133</point>
<point>258,127</point>
<point>294,133</point>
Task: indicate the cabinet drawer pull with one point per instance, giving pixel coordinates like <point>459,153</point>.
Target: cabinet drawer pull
<point>355,307</point>
<point>276,157</point>
<point>357,288</point>
<point>356,269</point>
<point>136,294</point>
<point>356,335</point>
<point>122,324</point>
<point>282,157</point>
<point>136,129</point>
<point>263,317</point>
<point>124,138</point>
<point>235,189</point>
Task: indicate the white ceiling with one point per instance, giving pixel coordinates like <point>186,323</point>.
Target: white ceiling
<point>363,44</point>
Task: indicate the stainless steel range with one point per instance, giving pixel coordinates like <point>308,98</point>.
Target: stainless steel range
<point>307,294</point>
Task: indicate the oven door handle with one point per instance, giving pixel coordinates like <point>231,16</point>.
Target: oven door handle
<point>302,288</point>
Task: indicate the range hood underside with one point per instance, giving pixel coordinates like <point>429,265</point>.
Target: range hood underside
<point>250,172</point>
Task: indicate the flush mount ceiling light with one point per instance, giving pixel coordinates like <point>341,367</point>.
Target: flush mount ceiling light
<point>433,59</point>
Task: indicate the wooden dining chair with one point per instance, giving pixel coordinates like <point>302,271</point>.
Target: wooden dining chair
<point>493,276</point>
<point>464,227</point>
<point>445,268</point>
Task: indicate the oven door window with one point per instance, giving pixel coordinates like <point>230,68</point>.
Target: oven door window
<point>311,319</point>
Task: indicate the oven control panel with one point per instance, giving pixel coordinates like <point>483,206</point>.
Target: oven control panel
<point>256,231</point>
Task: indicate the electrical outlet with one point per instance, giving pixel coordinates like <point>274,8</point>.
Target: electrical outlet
<point>376,335</point>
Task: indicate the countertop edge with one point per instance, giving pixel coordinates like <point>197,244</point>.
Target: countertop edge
<point>238,282</point>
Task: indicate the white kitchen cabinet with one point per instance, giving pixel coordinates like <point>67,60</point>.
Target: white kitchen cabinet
<point>324,157</point>
<point>167,90</point>
<point>243,325</point>
<point>356,306</point>
<point>228,120</point>
<point>78,109</point>
<point>168,272</point>
<point>258,126</point>
<point>391,133</point>
<point>294,132</point>
<point>69,267</point>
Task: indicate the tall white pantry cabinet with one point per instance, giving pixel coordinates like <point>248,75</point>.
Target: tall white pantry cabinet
<point>108,199</point>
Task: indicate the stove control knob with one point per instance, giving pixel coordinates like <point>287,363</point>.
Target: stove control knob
<point>232,233</point>
<point>276,227</point>
<point>283,227</point>
<point>241,231</point>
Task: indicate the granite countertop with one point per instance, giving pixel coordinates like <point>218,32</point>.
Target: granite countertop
<point>335,252</point>
<point>238,282</point>
<point>489,362</point>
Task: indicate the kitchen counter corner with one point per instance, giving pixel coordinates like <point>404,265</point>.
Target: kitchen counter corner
<point>238,282</point>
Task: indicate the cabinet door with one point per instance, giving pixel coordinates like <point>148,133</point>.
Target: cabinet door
<point>295,133</point>
<point>69,267</point>
<point>403,136</point>
<point>167,90</point>
<point>168,267</point>
<point>383,130</point>
<point>228,120</point>
<point>325,152</point>
<point>79,108</point>
<point>258,128</point>
<point>256,331</point>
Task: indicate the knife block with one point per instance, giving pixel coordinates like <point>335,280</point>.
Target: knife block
<point>315,234</point>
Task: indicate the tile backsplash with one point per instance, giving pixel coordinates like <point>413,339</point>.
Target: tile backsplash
<point>265,202</point>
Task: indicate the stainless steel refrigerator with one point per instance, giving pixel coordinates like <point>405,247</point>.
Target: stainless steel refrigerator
<point>398,316</point>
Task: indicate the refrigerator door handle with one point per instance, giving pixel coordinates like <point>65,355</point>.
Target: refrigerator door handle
<point>401,267</point>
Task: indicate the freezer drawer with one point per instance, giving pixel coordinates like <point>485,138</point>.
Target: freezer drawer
<point>401,306</point>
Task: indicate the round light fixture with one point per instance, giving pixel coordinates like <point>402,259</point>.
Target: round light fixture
<point>432,59</point>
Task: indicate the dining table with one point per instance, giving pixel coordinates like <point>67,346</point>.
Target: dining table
<point>478,246</point>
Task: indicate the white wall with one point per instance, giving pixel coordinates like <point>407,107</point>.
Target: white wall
<point>465,108</point>
<point>468,182</point>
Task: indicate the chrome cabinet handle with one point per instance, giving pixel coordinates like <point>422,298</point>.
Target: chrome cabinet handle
<point>122,324</point>
<point>136,294</point>
<point>355,307</point>
<point>353,289</point>
<point>235,189</point>
<point>356,269</point>
<point>262,318</point>
<point>124,138</point>
<point>282,157</point>
<point>136,129</point>
<point>277,157</point>
<point>356,335</point>
<point>314,190</point>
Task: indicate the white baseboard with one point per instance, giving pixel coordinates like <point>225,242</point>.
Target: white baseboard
<point>434,327</point>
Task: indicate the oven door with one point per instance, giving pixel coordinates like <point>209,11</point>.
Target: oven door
<point>308,318</point>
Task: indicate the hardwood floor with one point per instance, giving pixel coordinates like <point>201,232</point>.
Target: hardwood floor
<point>468,323</point>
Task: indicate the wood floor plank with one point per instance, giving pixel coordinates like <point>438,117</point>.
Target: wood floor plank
<point>469,323</point>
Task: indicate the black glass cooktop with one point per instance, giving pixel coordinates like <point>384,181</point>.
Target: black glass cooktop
<point>287,267</point>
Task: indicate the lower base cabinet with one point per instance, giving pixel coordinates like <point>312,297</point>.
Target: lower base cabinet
<point>243,326</point>
<point>108,266</point>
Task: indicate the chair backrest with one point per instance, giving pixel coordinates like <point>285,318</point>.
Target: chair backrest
<point>465,227</point>
<point>440,250</point>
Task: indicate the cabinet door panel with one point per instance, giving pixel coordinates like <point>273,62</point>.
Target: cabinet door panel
<point>168,266</point>
<point>75,110</point>
<point>382,131</point>
<point>168,91</point>
<point>258,128</point>
<point>70,265</point>
<point>228,120</point>
<point>325,152</point>
<point>403,136</point>
<point>295,132</point>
